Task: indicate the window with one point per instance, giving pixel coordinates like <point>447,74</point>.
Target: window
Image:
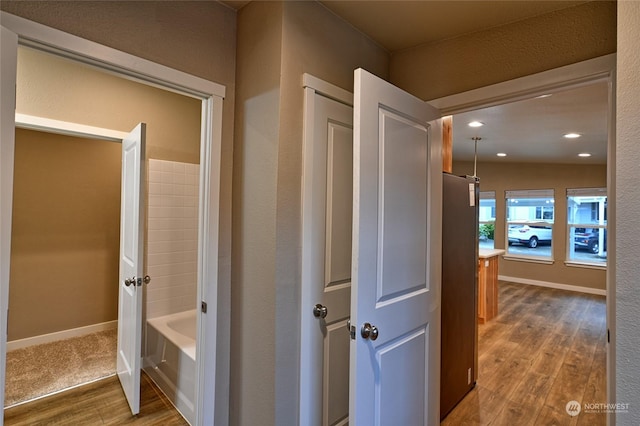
<point>530,215</point>
<point>487,219</point>
<point>587,226</point>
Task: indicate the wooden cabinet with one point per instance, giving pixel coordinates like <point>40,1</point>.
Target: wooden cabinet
<point>488,284</point>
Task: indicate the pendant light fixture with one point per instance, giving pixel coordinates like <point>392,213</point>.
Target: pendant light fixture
<point>475,140</point>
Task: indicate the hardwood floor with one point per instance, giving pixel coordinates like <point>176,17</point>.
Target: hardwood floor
<point>546,347</point>
<point>98,403</point>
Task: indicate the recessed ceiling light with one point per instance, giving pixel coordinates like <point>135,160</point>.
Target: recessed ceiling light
<point>546,95</point>
<point>572,135</point>
<point>476,124</point>
<point>501,154</point>
<point>584,154</point>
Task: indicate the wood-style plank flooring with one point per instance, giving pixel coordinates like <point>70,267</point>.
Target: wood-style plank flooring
<point>545,348</point>
<point>98,403</point>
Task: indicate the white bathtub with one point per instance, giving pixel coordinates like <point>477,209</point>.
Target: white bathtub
<point>171,358</point>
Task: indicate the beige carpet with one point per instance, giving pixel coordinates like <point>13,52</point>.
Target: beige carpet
<point>40,370</point>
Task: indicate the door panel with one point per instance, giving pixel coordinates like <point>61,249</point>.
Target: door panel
<point>327,259</point>
<point>402,387</point>
<point>336,374</point>
<point>339,204</point>
<point>131,258</point>
<point>403,197</point>
<point>394,379</point>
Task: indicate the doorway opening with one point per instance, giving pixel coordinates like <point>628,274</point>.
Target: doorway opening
<point>207,97</point>
<point>541,191</point>
<point>173,134</point>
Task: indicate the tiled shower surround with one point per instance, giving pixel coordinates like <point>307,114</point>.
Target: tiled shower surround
<point>172,237</point>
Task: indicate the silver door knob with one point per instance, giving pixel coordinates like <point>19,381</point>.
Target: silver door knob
<point>130,281</point>
<point>320,311</point>
<point>369,331</point>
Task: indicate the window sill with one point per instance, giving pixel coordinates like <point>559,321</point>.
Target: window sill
<point>528,259</point>
<point>575,264</point>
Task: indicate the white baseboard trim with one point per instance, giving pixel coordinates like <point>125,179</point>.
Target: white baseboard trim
<point>60,335</point>
<point>559,286</point>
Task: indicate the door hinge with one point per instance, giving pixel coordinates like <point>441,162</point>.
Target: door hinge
<point>608,336</point>
<point>203,307</point>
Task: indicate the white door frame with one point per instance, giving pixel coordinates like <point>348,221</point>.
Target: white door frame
<point>8,52</point>
<point>601,69</point>
<point>307,410</point>
<point>211,94</point>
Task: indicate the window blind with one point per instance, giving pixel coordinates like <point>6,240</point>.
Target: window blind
<point>487,195</point>
<point>530,193</point>
<point>587,192</point>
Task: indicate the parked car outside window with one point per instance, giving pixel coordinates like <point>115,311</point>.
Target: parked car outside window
<point>589,239</point>
<point>529,235</point>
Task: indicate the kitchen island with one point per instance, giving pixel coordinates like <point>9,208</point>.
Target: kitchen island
<point>488,283</point>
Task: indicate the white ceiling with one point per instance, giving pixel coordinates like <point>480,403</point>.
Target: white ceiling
<point>533,130</point>
<point>527,131</point>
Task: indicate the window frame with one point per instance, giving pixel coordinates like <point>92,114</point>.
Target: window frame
<point>547,223</point>
<point>487,195</point>
<point>572,224</point>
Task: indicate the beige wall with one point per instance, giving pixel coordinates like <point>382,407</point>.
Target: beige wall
<point>500,177</point>
<point>197,37</point>
<point>254,208</point>
<point>627,315</point>
<point>277,43</point>
<point>65,233</point>
<point>506,52</point>
<point>54,87</point>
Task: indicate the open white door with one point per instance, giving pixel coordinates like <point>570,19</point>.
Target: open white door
<point>131,258</point>
<point>395,298</point>
<point>8,54</point>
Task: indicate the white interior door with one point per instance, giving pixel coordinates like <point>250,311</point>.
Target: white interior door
<point>8,53</point>
<point>395,296</point>
<point>131,258</point>
<point>327,212</point>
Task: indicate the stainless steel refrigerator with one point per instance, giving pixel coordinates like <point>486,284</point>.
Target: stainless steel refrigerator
<point>459,342</point>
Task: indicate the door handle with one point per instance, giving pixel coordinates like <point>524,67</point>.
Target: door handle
<point>369,331</point>
<point>137,281</point>
<point>320,311</point>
